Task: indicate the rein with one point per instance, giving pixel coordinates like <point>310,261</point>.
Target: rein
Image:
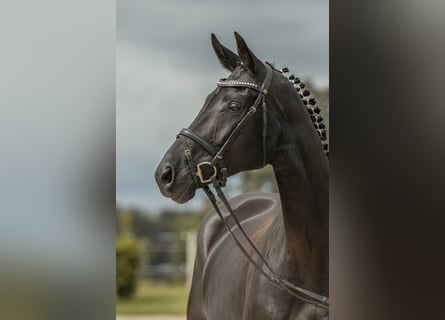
<point>207,172</point>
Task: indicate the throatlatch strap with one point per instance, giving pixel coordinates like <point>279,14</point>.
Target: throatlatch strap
<point>264,133</point>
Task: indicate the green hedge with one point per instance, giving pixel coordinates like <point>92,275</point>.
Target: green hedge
<point>127,263</point>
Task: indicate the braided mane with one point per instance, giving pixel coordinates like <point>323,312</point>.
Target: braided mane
<point>314,111</point>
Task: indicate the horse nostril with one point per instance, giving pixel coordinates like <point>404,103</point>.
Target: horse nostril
<point>167,176</point>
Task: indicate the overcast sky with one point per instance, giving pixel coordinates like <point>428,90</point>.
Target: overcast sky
<point>166,67</point>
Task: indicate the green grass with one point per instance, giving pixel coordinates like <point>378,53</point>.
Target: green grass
<point>155,298</point>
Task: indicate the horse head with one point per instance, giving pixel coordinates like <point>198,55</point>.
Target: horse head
<point>191,161</point>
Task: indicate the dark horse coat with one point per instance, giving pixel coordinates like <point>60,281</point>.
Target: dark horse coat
<point>290,229</point>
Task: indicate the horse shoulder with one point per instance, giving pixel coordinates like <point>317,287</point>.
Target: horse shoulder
<point>255,211</point>
<point>252,208</point>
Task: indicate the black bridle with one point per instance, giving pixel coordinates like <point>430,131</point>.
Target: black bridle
<point>203,172</point>
<point>206,172</point>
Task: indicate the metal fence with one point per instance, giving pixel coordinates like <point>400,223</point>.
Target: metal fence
<point>169,257</point>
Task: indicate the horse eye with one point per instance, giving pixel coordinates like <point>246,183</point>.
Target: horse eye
<point>234,106</point>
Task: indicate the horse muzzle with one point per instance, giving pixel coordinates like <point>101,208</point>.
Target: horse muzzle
<point>173,176</point>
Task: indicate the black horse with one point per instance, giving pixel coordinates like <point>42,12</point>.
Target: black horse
<point>289,230</point>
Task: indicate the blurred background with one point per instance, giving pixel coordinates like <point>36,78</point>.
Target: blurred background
<point>58,139</point>
<point>165,67</point>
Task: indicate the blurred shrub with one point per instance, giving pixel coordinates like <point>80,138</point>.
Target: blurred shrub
<point>127,263</point>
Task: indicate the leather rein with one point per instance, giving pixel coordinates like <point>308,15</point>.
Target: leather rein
<point>207,172</point>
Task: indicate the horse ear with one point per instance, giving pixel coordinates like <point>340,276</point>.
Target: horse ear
<point>226,57</point>
<point>248,58</point>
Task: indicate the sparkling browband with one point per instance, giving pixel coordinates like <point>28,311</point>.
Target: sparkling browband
<point>236,83</point>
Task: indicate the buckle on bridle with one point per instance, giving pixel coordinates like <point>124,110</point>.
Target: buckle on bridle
<point>201,172</point>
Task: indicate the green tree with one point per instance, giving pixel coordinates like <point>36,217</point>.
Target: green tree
<point>256,180</point>
<point>127,258</point>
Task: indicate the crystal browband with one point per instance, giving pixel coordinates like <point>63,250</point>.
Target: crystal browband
<point>236,83</point>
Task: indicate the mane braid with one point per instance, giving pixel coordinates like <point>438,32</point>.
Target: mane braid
<point>313,110</point>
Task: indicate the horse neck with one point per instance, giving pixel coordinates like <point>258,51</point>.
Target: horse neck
<point>301,171</point>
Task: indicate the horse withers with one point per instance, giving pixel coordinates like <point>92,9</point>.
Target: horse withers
<point>259,255</point>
